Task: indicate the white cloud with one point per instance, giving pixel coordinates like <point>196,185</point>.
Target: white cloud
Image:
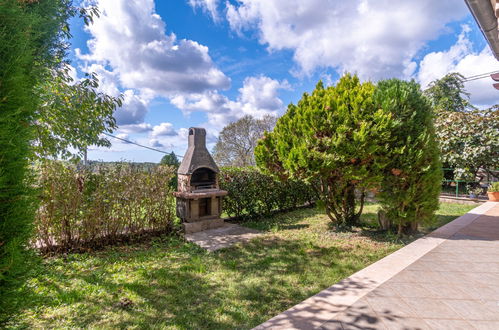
<point>123,136</point>
<point>260,93</point>
<point>155,143</point>
<point>73,74</point>
<point>376,39</point>
<point>438,64</point>
<point>166,143</point>
<point>209,6</point>
<point>163,129</point>
<point>135,128</point>
<point>133,110</point>
<point>176,142</point>
<point>461,58</point>
<point>258,97</point>
<point>134,107</point>
<point>130,38</point>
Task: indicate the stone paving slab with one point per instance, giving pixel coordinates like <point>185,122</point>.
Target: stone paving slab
<point>227,235</point>
<point>448,279</point>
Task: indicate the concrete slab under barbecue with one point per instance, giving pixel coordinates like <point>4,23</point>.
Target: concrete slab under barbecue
<point>227,235</point>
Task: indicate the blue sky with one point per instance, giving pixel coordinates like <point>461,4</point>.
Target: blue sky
<point>183,63</point>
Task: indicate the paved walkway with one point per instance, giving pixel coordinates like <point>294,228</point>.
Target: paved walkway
<point>227,235</point>
<point>446,280</point>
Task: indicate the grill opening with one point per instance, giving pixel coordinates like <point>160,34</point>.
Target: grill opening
<point>203,178</point>
<point>204,207</point>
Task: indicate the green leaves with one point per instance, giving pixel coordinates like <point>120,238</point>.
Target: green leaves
<point>469,140</point>
<point>448,94</point>
<point>171,160</point>
<point>253,193</point>
<point>352,137</point>
<point>32,45</point>
<point>334,136</point>
<point>411,180</point>
<point>72,115</point>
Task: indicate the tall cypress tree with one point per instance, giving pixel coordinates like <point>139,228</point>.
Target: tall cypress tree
<point>30,45</point>
<point>412,180</point>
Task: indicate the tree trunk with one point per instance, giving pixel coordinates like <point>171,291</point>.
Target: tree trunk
<point>351,218</point>
<point>361,208</point>
<point>408,228</point>
<point>384,222</point>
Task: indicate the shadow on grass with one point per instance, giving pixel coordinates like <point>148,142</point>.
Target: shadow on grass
<point>239,287</point>
<point>283,221</point>
<point>440,221</point>
<point>371,229</point>
<point>166,295</point>
<point>170,283</point>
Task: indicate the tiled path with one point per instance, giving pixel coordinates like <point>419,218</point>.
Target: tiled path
<point>447,280</point>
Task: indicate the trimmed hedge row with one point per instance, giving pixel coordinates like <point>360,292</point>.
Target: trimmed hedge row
<point>101,205</point>
<point>84,207</point>
<point>253,194</point>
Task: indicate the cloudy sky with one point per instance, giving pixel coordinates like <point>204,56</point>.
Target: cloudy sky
<point>183,63</point>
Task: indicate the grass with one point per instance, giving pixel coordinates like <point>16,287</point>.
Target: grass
<point>172,284</point>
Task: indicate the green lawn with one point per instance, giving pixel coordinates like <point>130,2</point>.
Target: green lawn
<point>168,283</point>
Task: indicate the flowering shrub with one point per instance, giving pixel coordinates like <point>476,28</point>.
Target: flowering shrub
<point>83,207</point>
<point>252,193</point>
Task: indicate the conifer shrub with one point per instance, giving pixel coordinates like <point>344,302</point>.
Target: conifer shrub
<point>18,75</point>
<point>334,139</point>
<point>412,178</point>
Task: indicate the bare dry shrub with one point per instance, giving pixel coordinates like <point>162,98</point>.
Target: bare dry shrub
<point>80,207</point>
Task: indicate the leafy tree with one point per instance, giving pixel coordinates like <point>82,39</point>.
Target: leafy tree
<point>469,141</point>
<point>334,139</point>
<point>468,137</point>
<point>236,142</point>
<point>170,159</point>
<point>411,181</point>
<point>72,115</point>
<point>449,94</point>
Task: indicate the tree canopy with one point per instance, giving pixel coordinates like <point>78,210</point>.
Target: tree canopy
<point>43,114</point>
<point>449,94</point>
<point>468,137</point>
<point>411,180</point>
<point>334,138</point>
<point>31,47</point>
<point>170,159</point>
<point>237,141</point>
<point>469,141</point>
<point>72,115</point>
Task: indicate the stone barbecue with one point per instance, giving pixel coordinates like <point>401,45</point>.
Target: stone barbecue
<point>199,198</point>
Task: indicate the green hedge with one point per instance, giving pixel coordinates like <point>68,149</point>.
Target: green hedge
<point>83,207</point>
<point>19,73</point>
<point>253,194</point>
<point>101,205</point>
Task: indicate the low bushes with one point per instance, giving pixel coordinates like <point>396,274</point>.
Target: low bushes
<point>253,194</point>
<point>100,205</point>
<point>83,207</point>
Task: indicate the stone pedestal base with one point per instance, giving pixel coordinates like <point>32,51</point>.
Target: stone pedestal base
<point>194,227</point>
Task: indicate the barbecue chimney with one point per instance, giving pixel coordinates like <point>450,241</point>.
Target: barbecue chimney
<point>199,198</point>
